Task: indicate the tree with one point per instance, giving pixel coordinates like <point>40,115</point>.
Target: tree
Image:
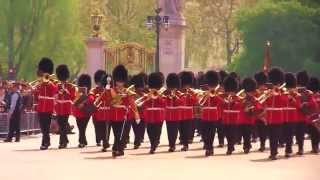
<point>36,28</point>
<point>292,30</point>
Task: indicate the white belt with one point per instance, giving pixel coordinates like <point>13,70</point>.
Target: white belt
<point>289,108</point>
<point>186,107</point>
<point>63,101</point>
<point>120,106</point>
<point>274,109</point>
<point>46,97</point>
<point>172,107</point>
<point>154,109</point>
<point>231,111</point>
<point>104,108</point>
<point>210,108</point>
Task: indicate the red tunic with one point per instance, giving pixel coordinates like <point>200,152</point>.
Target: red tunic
<point>232,111</point>
<point>103,113</point>
<point>187,109</point>
<point>65,98</point>
<point>44,96</point>
<point>308,100</point>
<point>78,113</point>
<point>173,111</point>
<point>211,110</point>
<point>315,105</point>
<point>251,116</point>
<point>274,108</point>
<point>154,110</point>
<point>123,110</point>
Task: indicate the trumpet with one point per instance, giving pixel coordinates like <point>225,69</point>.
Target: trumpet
<point>209,93</point>
<point>98,101</point>
<point>153,94</point>
<point>267,93</point>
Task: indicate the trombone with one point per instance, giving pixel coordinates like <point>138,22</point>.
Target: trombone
<point>153,94</point>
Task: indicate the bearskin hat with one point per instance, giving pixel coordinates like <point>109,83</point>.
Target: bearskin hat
<point>120,73</point>
<point>84,80</point>
<point>261,78</point>
<point>45,65</point>
<point>212,78</point>
<point>276,76</point>
<point>249,84</point>
<point>62,72</point>
<point>314,84</point>
<point>230,84</point>
<point>302,78</point>
<point>291,81</point>
<point>173,81</point>
<point>186,78</point>
<point>223,74</point>
<point>98,75</point>
<point>155,80</point>
<point>137,81</point>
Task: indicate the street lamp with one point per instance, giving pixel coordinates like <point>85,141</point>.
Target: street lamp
<point>158,22</point>
<point>96,21</point>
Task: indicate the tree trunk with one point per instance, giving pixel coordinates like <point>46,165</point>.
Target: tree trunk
<point>228,45</point>
<point>10,38</point>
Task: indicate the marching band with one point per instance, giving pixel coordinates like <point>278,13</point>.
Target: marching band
<point>276,105</point>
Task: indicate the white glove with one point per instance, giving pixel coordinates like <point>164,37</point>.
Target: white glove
<point>138,121</point>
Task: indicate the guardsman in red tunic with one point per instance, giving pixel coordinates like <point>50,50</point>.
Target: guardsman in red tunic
<point>82,118</point>
<point>44,94</point>
<point>173,112</point>
<point>122,104</point>
<point>274,103</point>
<point>290,111</point>
<point>232,111</point>
<point>221,135</point>
<point>187,110</point>
<point>103,114</point>
<point>252,108</point>
<point>139,128</point>
<point>211,103</point>
<point>63,104</point>
<point>154,110</point>
<point>314,86</point>
<point>261,79</point>
<point>96,118</point>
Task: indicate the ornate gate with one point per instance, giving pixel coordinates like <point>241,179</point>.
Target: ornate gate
<point>134,56</point>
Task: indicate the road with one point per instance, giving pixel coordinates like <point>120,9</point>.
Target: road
<point>24,160</point>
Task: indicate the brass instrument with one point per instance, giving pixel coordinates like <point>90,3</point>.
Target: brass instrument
<point>241,93</point>
<point>209,93</point>
<point>98,101</point>
<point>153,94</point>
<point>43,79</point>
<point>268,93</point>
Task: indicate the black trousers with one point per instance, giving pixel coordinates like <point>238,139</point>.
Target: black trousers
<point>300,128</point>
<point>262,132</point>
<point>154,133</point>
<point>14,126</point>
<point>209,129</point>
<point>103,132</point>
<point>246,132</point>
<point>63,129</point>
<point>288,129</point>
<point>120,135</point>
<point>96,131</point>
<point>221,134</point>
<point>82,124</point>
<point>45,122</point>
<point>139,131</point>
<point>231,133</point>
<point>315,136</point>
<point>274,131</point>
<point>172,130</point>
<point>127,130</point>
<point>185,131</point>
